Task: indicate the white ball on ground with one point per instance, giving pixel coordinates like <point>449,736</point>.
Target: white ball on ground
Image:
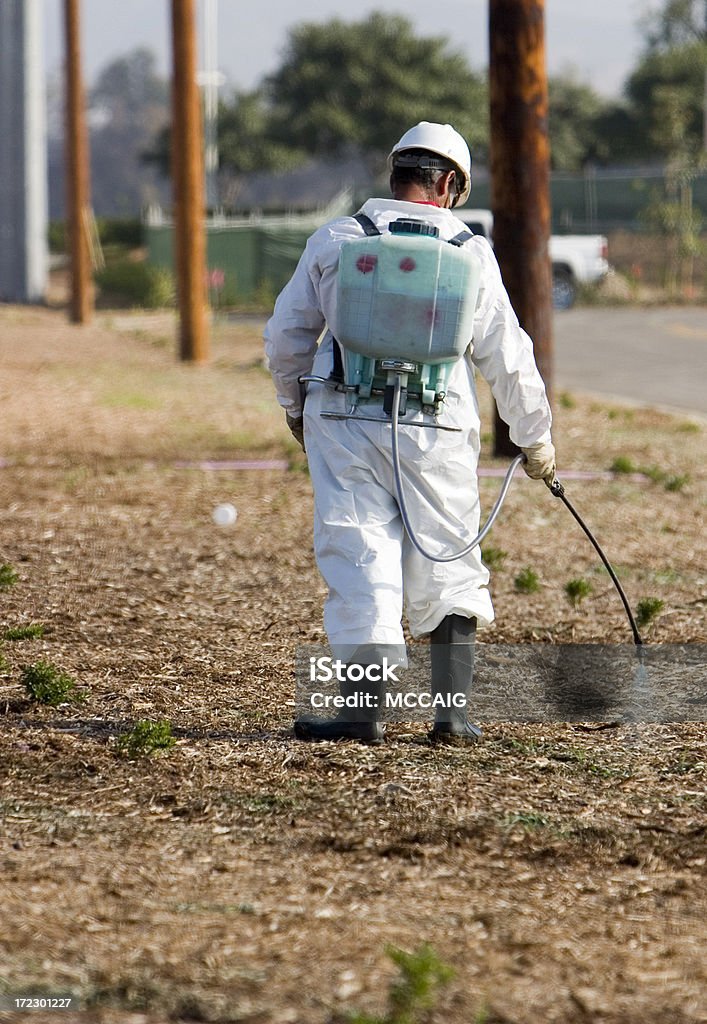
<point>224,514</point>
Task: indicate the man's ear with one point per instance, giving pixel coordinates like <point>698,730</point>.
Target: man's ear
<point>445,186</point>
<point>448,186</point>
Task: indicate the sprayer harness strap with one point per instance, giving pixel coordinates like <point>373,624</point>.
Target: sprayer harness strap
<point>370,229</point>
<point>367,224</point>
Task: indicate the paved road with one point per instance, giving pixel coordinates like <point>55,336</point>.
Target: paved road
<point>654,356</point>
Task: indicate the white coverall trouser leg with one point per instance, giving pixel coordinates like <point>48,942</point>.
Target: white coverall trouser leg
<point>368,562</point>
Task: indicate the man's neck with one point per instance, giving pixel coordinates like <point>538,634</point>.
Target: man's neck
<point>414,195</point>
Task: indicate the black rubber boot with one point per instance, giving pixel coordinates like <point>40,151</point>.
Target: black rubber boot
<point>452,657</point>
<point>352,723</point>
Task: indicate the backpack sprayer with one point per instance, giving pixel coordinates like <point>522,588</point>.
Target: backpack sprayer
<point>406,304</point>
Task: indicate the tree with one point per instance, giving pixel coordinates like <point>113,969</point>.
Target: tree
<point>128,104</point>
<point>246,140</point>
<point>130,86</point>
<point>247,143</point>
<point>680,69</point>
<point>676,38</point>
<point>618,137</point>
<point>348,88</point>
<point>574,112</point>
<point>669,91</point>
<point>679,23</point>
<point>673,213</point>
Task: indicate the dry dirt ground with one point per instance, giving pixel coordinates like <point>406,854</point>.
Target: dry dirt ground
<point>559,869</point>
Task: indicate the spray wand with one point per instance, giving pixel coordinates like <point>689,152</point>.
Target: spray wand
<point>558,490</point>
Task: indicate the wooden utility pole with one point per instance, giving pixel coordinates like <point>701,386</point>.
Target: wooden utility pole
<point>77,172</point>
<point>188,186</point>
<point>520,173</point>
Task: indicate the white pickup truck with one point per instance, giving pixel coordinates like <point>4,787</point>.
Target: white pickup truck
<point>576,259</point>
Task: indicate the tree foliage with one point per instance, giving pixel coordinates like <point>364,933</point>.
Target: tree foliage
<point>574,111</point>
<point>681,70</point>
<point>350,89</point>
<point>130,85</point>
<point>668,94</point>
<point>356,87</point>
<point>675,62</point>
<point>129,104</point>
<point>677,23</point>
<point>247,141</point>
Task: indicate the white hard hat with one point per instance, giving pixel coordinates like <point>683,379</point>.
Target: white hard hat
<point>444,141</point>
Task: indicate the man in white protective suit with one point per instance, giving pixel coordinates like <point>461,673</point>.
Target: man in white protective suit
<point>372,571</point>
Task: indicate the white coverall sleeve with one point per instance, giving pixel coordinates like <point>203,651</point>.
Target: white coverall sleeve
<point>292,332</point>
<point>504,355</point>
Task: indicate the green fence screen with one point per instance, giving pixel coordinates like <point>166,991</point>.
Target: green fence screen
<point>251,263</point>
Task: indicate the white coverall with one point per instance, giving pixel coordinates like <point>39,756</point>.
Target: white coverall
<point>361,547</point>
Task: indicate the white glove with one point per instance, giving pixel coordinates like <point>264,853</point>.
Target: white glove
<point>540,461</point>
<point>296,425</point>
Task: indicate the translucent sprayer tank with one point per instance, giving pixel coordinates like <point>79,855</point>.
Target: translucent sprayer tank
<point>407,295</point>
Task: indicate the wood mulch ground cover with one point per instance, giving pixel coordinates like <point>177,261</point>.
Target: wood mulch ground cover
<point>558,868</point>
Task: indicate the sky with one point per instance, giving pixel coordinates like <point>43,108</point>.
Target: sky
<point>598,40</point>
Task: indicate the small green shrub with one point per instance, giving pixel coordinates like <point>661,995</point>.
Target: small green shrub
<point>647,609</point>
<point>56,236</point>
<point>529,820</point>
<point>138,284</point>
<point>414,992</point>
<point>577,590</point>
<point>527,581</point>
<point>494,557</point>
<point>654,473</point>
<point>676,483</point>
<point>670,483</point>
<point>124,231</point>
<point>146,738</point>
<point>265,295</point>
<point>8,576</point>
<point>623,464</point>
<point>31,632</point>
<point>567,400</point>
<point>47,684</point>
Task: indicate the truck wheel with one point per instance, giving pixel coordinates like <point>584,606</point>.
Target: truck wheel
<point>564,290</point>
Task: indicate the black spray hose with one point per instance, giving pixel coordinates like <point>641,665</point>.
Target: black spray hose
<point>558,490</point>
<point>555,487</point>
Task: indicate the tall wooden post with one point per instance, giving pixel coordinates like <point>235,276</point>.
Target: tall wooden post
<point>188,185</point>
<point>77,172</point>
<point>520,173</point>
